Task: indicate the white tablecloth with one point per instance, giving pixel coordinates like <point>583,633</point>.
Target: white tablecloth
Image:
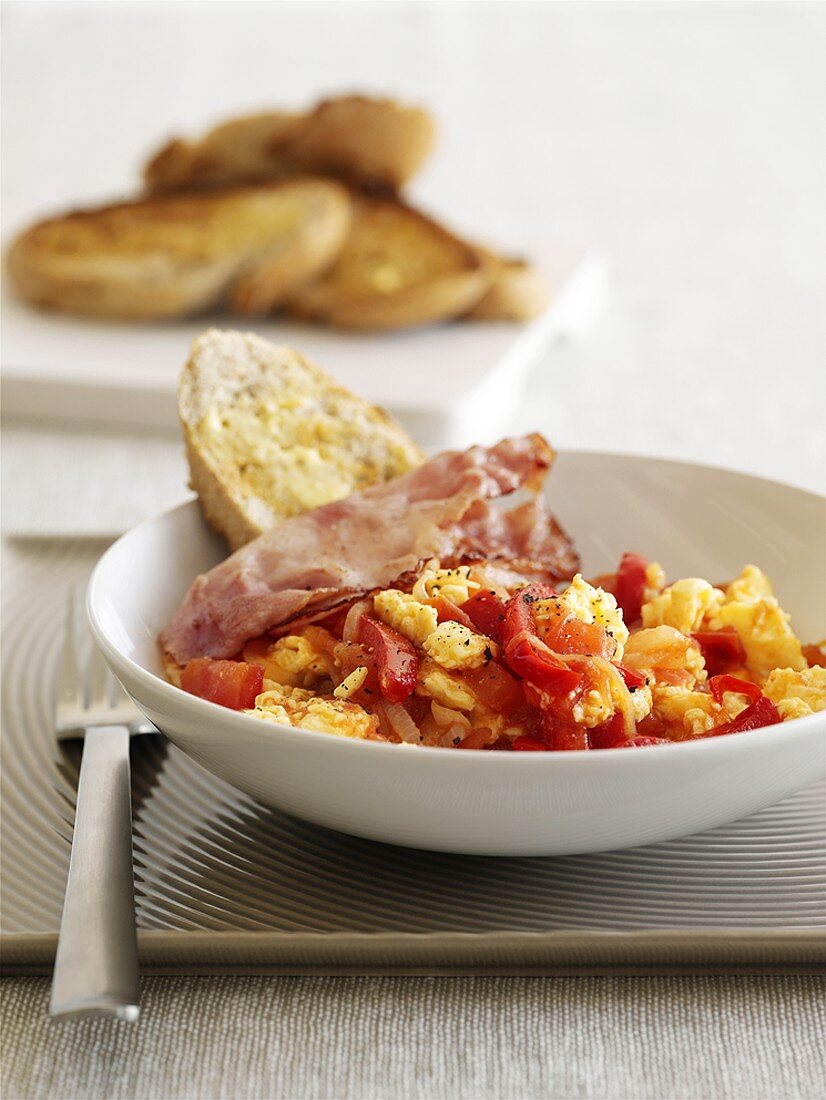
<point>685,140</point>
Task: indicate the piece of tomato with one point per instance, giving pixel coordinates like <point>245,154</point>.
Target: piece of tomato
<point>448,611</point>
<point>678,677</point>
<point>566,633</point>
<point>610,735</point>
<point>719,685</point>
<point>564,737</point>
<point>396,658</point>
<point>629,587</point>
<point>526,743</point>
<point>233,684</point>
<point>487,613</point>
<point>495,687</point>
<point>762,712</point>
<point>721,649</point>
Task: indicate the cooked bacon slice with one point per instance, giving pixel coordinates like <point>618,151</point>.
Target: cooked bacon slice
<point>310,564</point>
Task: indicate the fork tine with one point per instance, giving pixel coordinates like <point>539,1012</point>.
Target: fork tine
<point>69,690</point>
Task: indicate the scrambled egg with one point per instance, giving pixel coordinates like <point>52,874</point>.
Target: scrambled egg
<point>654,581</point>
<point>454,584</point>
<point>596,707</point>
<point>453,645</point>
<point>589,605</point>
<point>695,712</point>
<point>416,621</point>
<point>752,584</point>
<point>303,709</point>
<point>763,626</point>
<point>294,661</point>
<point>682,605</point>
<point>444,688</point>
<point>351,683</point>
<point>797,693</point>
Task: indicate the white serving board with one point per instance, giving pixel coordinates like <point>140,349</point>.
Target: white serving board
<point>450,384</point>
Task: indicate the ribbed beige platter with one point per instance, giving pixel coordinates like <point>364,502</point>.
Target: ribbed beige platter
<point>225,884</point>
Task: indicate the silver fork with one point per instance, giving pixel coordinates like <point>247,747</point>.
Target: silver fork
<point>96,966</point>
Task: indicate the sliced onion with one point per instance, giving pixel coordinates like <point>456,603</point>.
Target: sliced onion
<point>402,723</point>
<point>446,717</point>
<point>351,623</point>
<point>618,691</point>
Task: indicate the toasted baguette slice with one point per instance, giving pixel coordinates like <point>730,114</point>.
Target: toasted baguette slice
<point>398,268</point>
<point>375,144</point>
<point>248,248</point>
<point>269,434</point>
<point>518,291</point>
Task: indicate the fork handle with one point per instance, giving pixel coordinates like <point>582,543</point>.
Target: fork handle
<point>96,966</point>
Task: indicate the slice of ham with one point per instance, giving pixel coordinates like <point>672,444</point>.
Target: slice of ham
<point>310,564</point>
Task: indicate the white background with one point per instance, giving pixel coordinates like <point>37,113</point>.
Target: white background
<point>686,140</point>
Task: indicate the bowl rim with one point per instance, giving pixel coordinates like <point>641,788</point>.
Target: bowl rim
<point>211,712</point>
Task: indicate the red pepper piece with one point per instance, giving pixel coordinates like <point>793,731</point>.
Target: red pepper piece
<point>396,658</point>
<point>629,587</point>
<point>519,615</point>
<point>763,712</point>
<point>525,654</point>
<point>487,613</point>
<point>535,663</point>
<point>721,649</point>
<point>632,678</point>
<point>232,684</point>
<point>721,684</point>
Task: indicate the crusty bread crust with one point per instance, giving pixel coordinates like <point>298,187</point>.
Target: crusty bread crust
<point>518,292</point>
<point>293,418</point>
<point>370,143</point>
<point>398,268</point>
<point>248,248</point>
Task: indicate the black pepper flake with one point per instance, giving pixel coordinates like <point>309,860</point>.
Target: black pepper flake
<point>367,691</point>
<point>457,740</point>
<point>467,641</point>
<point>632,690</point>
<point>488,654</point>
<point>528,598</point>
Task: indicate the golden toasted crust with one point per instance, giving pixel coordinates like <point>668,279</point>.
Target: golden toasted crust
<point>268,434</point>
<point>518,292</point>
<point>375,144</point>
<point>248,248</point>
<point>398,268</point>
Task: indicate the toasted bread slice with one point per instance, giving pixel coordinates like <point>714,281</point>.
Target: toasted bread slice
<point>375,144</point>
<point>241,150</point>
<point>398,268</point>
<point>248,248</point>
<point>269,434</point>
<point>518,291</point>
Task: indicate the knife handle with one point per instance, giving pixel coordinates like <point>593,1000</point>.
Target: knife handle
<point>96,966</point>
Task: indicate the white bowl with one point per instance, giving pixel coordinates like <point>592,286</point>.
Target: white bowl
<point>695,520</point>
